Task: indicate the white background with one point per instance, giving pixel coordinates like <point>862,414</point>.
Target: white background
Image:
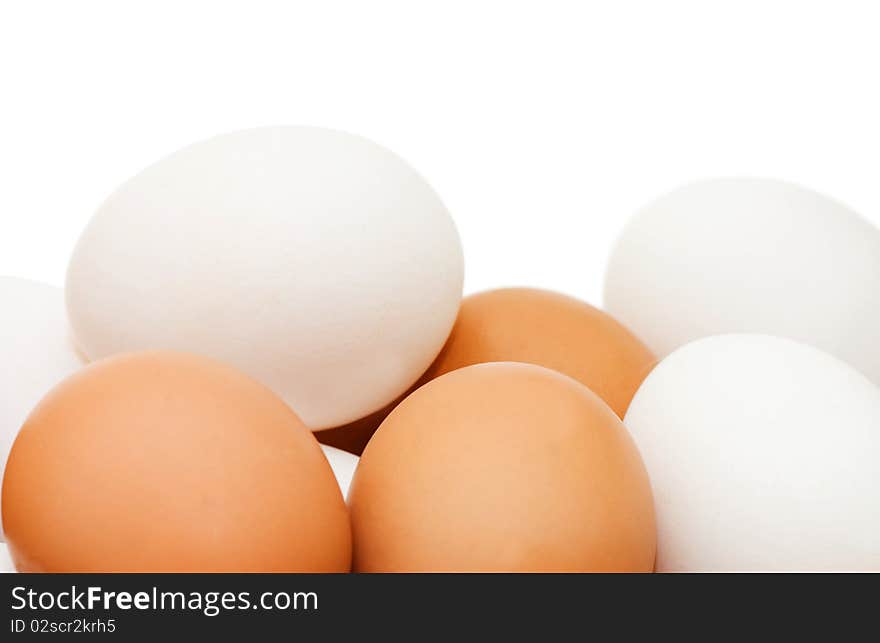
<point>543,125</point>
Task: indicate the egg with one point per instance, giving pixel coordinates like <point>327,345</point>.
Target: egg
<point>552,330</point>
<point>750,256</point>
<point>531,326</point>
<point>502,467</point>
<point>763,454</point>
<point>343,464</point>
<point>170,462</point>
<point>6,565</point>
<point>35,351</point>
<point>315,261</point>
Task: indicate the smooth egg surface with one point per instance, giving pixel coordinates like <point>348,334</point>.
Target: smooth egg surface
<point>502,467</point>
<point>763,455</point>
<point>35,352</point>
<point>750,256</point>
<point>170,462</point>
<point>552,330</point>
<point>315,261</point>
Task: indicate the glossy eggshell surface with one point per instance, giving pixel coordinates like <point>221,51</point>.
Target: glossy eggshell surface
<point>750,256</point>
<point>35,352</point>
<point>502,467</point>
<point>315,261</point>
<point>764,455</point>
<point>552,330</point>
<point>170,462</point>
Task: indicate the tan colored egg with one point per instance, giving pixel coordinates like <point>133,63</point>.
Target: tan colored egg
<point>548,329</point>
<point>533,326</point>
<point>165,461</point>
<point>502,467</point>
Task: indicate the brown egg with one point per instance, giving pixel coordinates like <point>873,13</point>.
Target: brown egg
<point>552,330</point>
<point>536,327</point>
<point>502,467</point>
<point>168,462</point>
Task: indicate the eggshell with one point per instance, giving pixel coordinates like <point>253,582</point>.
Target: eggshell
<point>6,565</point>
<point>35,352</point>
<point>315,261</point>
<point>551,330</point>
<point>343,464</point>
<point>763,454</point>
<point>531,326</point>
<point>502,467</point>
<point>164,461</point>
<point>752,256</point>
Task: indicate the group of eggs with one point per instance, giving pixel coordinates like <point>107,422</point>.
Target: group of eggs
<point>259,290</point>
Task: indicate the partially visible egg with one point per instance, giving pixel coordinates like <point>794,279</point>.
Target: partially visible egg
<point>35,352</point>
<point>502,467</point>
<point>750,256</point>
<point>764,455</point>
<point>552,330</point>
<point>343,464</point>
<point>315,261</point>
<point>531,326</point>
<point>6,565</point>
<point>170,462</point>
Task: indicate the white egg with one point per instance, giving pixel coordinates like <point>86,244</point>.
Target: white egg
<point>763,455</point>
<point>752,256</point>
<point>315,261</point>
<point>35,352</point>
<point>343,464</point>
<point>6,565</point>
